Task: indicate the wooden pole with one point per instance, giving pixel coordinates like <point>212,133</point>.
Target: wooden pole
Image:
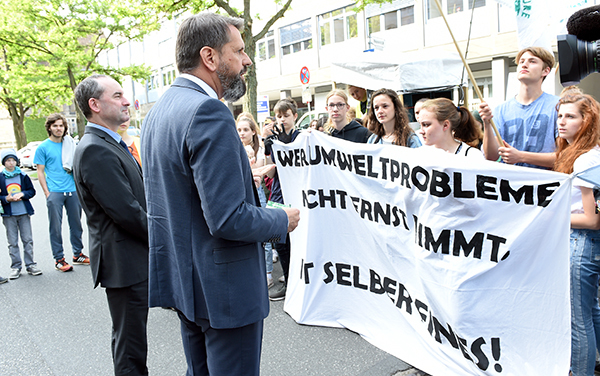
<point>479,94</point>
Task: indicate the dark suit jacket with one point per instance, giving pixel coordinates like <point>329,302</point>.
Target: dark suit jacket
<point>204,219</point>
<point>111,191</point>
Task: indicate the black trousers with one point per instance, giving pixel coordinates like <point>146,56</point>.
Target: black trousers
<point>129,312</point>
<point>221,352</point>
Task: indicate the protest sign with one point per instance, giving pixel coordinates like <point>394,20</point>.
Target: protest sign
<point>456,266</point>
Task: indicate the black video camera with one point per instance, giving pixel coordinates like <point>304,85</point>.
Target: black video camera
<point>578,51</point>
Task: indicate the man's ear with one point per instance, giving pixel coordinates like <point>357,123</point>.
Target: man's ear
<point>208,56</point>
<point>546,71</point>
<point>94,105</point>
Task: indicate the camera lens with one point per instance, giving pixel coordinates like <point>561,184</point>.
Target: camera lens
<point>577,59</point>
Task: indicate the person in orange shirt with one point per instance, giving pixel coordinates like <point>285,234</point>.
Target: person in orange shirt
<point>132,142</point>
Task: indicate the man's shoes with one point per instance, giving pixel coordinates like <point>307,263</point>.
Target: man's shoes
<point>81,260</point>
<point>3,280</point>
<point>14,274</point>
<point>33,270</point>
<point>278,294</point>
<point>62,266</point>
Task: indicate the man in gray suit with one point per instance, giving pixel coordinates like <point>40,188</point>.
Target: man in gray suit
<point>111,191</point>
<point>204,217</point>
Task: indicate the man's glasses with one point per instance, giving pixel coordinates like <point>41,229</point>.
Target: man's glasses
<point>339,106</point>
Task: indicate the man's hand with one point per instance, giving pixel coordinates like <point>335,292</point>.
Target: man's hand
<point>485,112</point>
<point>259,172</point>
<point>293,218</point>
<point>509,154</point>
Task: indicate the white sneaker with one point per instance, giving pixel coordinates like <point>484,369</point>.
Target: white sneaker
<point>14,274</point>
<point>282,279</point>
<point>275,256</point>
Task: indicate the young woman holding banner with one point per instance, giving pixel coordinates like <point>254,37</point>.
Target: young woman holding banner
<point>388,120</point>
<point>577,150</point>
<point>449,128</point>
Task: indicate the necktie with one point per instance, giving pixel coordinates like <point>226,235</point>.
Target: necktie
<point>124,145</point>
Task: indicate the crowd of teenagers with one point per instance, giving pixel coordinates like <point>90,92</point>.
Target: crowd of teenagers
<point>538,130</point>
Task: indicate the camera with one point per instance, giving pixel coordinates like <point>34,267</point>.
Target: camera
<point>577,58</point>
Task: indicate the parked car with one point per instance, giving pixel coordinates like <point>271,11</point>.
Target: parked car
<point>27,153</point>
<point>305,119</point>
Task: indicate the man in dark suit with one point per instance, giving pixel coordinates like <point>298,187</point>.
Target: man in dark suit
<point>204,218</point>
<point>111,191</point>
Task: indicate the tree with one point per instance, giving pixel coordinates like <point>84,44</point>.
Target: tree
<point>69,35</point>
<point>250,39</point>
<point>26,85</point>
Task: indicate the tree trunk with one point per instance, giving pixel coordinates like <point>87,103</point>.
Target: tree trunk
<point>250,43</point>
<point>81,121</point>
<point>17,114</point>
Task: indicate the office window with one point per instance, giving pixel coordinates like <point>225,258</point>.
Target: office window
<point>432,10</point>
<point>374,24</point>
<point>391,20</point>
<point>455,6</point>
<point>478,3</point>
<point>407,15</point>
<point>295,37</point>
<point>168,75</point>
<point>265,49</point>
<point>338,25</point>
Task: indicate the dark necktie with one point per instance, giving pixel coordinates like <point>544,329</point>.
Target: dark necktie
<point>124,145</point>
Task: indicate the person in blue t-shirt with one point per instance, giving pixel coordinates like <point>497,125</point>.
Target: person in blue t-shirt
<point>15,191</point>
<point>54,158</point>
<point>526,123</point>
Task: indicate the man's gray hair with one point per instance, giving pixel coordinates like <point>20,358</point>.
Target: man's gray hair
<point>199,31</point>
<point>88,88</point>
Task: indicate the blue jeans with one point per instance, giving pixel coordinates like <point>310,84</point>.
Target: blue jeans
<point>16,224</point>
<point>268,247</point>
<point>55,203</point>
<point>585,313</point>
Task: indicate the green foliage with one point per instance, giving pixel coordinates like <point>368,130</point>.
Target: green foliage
<point>35,129</point>
<point>60,41</point>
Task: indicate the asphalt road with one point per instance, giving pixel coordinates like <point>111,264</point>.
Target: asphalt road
<point>57,324</point>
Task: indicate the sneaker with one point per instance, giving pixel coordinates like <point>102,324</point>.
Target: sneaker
<point>3,280</point>
<point>63,266</point>
<point>282,279</point>
<point>278,294</point>
<point>270,282</point>
<point>275,256</point>
<point>81,260</point>
<point>14,274</point>
<point>33,270</point>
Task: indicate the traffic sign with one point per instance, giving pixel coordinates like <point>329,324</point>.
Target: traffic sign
<point>304,75</point>
<point>136,104</point>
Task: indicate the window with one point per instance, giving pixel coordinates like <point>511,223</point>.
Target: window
<point>391,20</point>
<point>154,82</point>
<point>265,49</point>
<point>374,24</point>
<point>338,25</point>
<point>407,15</point>
<point>432,10</point>
<point>295,37</point>
<point>455,6</point>
<point>478,3</point>
<point>168,75</point>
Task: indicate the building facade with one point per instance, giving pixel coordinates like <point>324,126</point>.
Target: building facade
<point>316,34</point>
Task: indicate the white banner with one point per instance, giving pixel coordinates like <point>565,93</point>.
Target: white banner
<point>540,21</point>
<point>456,266</point>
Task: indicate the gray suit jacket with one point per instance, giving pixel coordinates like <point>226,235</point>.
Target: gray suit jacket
<point>111,191</point>
<point>204,220</point>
